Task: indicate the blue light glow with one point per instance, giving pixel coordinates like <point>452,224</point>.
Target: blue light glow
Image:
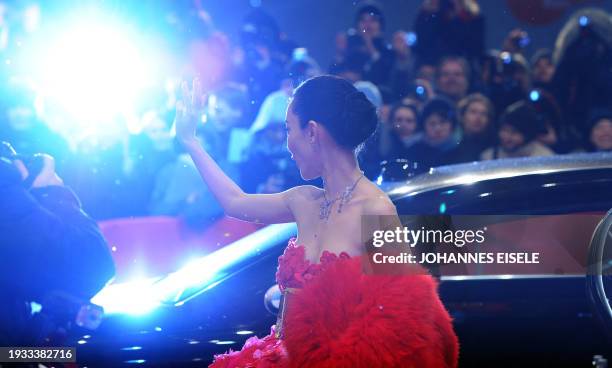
<point>534,95</point>
<point>136,297</point>
<point>35,307</point>
<point>140,297</point>
<point>132,348</point>
<point>583,21</point>
<point>92,67</point>
<point>135,361</point>
<point>506,57</point>
<point>411,38</point>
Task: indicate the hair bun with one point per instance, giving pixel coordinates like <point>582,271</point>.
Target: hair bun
<point>346,112</point>
<point>359,118</point>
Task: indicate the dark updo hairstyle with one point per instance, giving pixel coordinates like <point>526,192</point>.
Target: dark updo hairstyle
<point>347,114</point>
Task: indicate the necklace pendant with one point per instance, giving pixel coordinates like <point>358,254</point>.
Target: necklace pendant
<point>325,210</point>
<point>344,199</point>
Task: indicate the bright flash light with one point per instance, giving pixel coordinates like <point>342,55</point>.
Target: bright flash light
<point>136,298</point>
<point>142,296</point>
<point>204,271</point>
<point>93,68</point>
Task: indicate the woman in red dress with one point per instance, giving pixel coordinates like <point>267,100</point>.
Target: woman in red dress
<point>336,312</point>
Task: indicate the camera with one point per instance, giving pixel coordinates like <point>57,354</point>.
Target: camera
<point>33,163</point>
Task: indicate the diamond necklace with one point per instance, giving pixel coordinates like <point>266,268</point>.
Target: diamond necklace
<point>326,204</point>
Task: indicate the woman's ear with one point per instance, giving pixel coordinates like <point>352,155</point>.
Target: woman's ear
<point>312,131</point>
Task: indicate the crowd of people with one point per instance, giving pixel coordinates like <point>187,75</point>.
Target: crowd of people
<point>442,98</point>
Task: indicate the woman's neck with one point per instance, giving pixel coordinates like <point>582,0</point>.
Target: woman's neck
<point>340,170</point>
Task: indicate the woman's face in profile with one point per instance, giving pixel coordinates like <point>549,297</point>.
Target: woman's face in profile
<point>300,147</point>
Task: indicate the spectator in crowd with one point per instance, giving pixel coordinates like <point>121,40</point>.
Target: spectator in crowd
<point>505,78</point>
<point>391,139</point>
<point>476,116</point>
<point>403,124</point>
<point>23,129</point>
<point>275,105</point>
<point>600,132</point>
<point>426,72</point>
<point>259,63</point>
<point>98,167</point>
<point>178,188</point>
<point>449,27</point>
<point>178,191</point>
<point>542,69</point>
<point>351,71</point>
<point>583,58</point>
<point>418,94</point>
<point>402,69</point>
<point>421,89</point>
<point>366,45</point>
<point>148,151</point>
<point>372,92</point>
<point>268,164</point>
<point>519,128</point>
<point>225,131</point>
<point>558,135</point>
<point>452,78</point>
<point>516,41</point>
<point>49,244</point>
<point>437,121</point>
<point>204,51</point>
<point>348,69</point>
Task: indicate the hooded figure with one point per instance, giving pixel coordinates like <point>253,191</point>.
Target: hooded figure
<point>583,61</point>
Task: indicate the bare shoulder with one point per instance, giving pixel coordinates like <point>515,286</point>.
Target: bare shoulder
<point>379,206</point>
<point>303,193</point>
<point>376,202</point>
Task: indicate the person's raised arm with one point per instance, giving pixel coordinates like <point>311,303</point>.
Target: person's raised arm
<point>264,208</point>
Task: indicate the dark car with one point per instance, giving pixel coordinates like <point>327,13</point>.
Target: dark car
<point>527,320</point>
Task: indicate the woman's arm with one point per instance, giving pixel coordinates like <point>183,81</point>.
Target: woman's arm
<point>264,208</point>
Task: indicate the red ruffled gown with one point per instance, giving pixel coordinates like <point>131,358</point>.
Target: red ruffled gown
<point>341,317</point>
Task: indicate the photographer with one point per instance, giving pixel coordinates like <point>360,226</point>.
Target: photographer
<point>47,243</point>
<point>449,27</point>
<point>365,46</point>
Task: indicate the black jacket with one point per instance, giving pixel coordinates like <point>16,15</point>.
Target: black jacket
<point>47,243</point>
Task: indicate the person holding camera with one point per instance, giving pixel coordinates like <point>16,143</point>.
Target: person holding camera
<point>48,244</point>
<point>449,27</point>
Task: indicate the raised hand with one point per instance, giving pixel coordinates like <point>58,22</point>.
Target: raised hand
<point>47,175</point>
<point>189,110</point>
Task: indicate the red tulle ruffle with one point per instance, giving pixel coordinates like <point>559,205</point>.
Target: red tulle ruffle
<point>256,353</point>
<point>344,318</point>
